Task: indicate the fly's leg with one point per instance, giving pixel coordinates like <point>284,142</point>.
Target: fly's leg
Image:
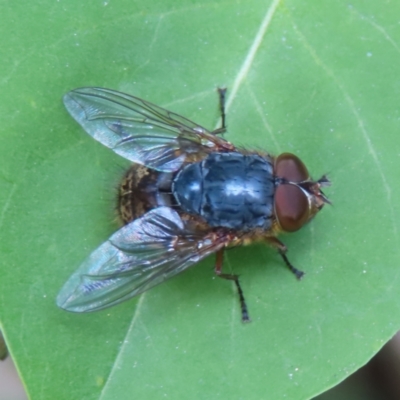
<point>299,274</point>
<point>222,94</point>
<point>282,249</point>
<point>231,277</point>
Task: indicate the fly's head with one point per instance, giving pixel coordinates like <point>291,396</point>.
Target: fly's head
<point>298,197</point>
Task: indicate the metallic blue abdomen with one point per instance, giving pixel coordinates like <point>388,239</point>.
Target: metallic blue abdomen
<point>230,190</point>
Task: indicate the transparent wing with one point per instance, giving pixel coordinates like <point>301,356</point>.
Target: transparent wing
<point>140,255</point>
<point>138,130</point>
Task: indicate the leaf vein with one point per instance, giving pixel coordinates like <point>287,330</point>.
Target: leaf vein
<point>248,61</point>
<point>358,118</point>
<point>377,27</point>
<point>121,350</point>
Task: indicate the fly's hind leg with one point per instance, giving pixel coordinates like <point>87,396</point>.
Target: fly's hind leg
<point>218,270</point>
<point>282,249</point>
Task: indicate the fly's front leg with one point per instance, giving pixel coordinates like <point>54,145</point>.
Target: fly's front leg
<point>219,259</point>
<point>222,129</point>
<point>282,249</point>
<point>222,94</point>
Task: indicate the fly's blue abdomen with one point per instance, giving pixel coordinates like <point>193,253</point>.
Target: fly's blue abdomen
<point>230,190</point>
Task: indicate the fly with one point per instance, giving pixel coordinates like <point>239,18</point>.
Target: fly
<point>188,194</point>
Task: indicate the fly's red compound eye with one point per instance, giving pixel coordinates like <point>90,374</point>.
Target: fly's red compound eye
<point>291,203</point>
<point>291,168</point>
<point>291,207</point>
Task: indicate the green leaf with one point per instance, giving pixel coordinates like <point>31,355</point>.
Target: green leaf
<point>321,82</point>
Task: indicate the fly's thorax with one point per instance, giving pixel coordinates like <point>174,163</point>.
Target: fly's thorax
<point>141,190</point>
<point>230,190</point>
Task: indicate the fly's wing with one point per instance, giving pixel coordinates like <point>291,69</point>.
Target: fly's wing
<point>140,255</point>
<point>138,130</point>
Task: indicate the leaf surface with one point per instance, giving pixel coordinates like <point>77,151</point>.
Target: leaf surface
<point>321,82</point>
